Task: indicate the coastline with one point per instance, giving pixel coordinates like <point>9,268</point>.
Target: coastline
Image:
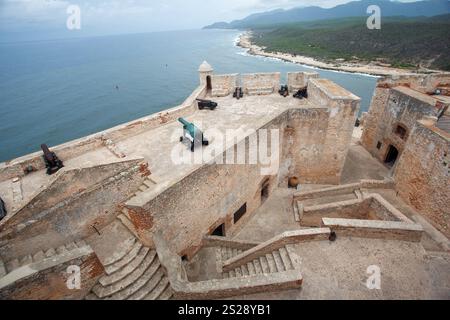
<point>244,41</point>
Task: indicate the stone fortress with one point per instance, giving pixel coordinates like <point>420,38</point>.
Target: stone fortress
<point>121,220</point>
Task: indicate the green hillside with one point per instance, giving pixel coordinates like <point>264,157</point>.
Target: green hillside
<point>401,42</point>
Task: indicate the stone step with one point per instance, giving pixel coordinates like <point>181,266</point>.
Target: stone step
<point>91,296</point>
<point>224,253</point>
<point>271,263</point>
<point>286,259</point>
<point>251,268</point>
<point>103,292</point>
<point>128,224</point>
<point>2,269</point>
<point>61,249</point>
<point>143,188</point>
<point>149,286</point>
<point>39,256</point>
<point>121,252</point>
<point>295,259</point>
<point>159,289</point>
<point>258,267</point>
<point>167,294</point>
<point>264,264</point>
<point>141,282</point>
<point>125,260</point>
<point>12,265</point>
<point>244,270</point>
<point>71,246</point>
<point>50,253</point>
<point>26,260</point>
<point>126,270</point>
<point>278,261</point>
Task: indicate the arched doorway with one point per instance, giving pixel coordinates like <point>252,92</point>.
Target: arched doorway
<point>208,83</point>
<point>391,156</point>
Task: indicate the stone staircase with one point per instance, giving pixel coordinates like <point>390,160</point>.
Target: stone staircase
<point>124,216</point>
<point>134,273</point>
<point>280,260</point>
<point>10,266</point>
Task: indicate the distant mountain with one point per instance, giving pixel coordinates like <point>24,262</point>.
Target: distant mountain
<point>352,9</point>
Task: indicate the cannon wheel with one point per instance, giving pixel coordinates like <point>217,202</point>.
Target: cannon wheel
<point>200,108</point>
<point>181,139</point>
<point>192,146</point>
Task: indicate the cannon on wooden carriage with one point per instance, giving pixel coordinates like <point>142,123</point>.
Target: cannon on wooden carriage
<point>284,91</point>
<point>3,211</point>
<point>238,93</point>
<point>52,162</point>
<point>206,104</point>
<point>193,134</point>
<point>302,93</point>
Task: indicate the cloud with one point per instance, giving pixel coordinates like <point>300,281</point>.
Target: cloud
<point>128,16</point>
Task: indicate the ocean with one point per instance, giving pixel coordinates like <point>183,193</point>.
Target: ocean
<point>58,90</point>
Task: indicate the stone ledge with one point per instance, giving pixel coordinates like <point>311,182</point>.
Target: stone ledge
<point>343,189</point>
<point>34,268</point>
<point>289,237</point>
<point>389,230</point>
<point>213,241</point>
<point>224,288</point>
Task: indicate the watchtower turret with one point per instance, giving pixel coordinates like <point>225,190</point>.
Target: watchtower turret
<point>206,71</point>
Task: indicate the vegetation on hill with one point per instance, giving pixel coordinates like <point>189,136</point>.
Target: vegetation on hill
<point>357,8</point>
<point>401,42</point>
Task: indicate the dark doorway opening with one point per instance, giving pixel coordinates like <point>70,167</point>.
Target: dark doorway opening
<point>220,231</point>
<point>208,83</point>
<point>401,132</point>
<point>240,213</point>
<point>391,156</point>
<point>265,191</point>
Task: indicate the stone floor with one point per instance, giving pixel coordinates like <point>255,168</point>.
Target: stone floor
<point>338,270</point>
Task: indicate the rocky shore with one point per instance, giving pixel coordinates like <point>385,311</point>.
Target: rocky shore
<point>244,41</point>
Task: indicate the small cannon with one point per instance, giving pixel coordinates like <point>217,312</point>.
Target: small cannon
<point>3,211</point>
<point>193,134</point>
<point>302,93</point>
<point>284,91</point>
<point>238,93</point>
<point>52,162</point>
<point>206,104</point>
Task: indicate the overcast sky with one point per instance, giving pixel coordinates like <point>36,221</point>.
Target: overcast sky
<point>47,18</point>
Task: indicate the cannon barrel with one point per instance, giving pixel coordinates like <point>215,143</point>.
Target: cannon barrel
<point>184,122</point>
<point>47,153</point>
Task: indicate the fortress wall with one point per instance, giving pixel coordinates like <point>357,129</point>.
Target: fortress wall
<point>72,218</point>
<point>75,148</point>
<point>303,146</point>
<point>299,80</point>
<point>223,85</point>
<point>324,161</point>
<point>65,184</point>
<point>208,197</point>
<point>391,108</point>
<point>260,83</point>
<point>422,174</point>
